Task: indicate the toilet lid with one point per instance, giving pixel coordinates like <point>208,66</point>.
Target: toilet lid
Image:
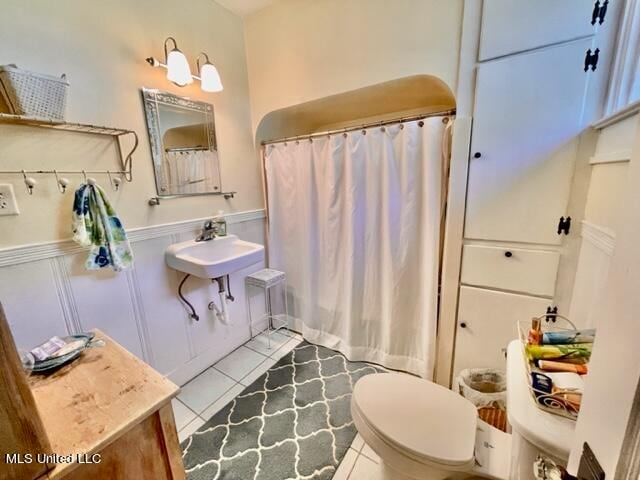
<point>418,416</point>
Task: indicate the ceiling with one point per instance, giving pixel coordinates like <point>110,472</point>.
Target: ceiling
<point>244,7</point>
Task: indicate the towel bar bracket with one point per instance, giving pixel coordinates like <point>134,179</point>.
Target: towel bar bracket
<point>155,201</point>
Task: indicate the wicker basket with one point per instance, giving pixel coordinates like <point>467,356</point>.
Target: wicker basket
<point>33,94</point>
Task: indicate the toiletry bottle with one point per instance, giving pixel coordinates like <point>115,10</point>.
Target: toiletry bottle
<point>221,224</point>
<point>535,334</point>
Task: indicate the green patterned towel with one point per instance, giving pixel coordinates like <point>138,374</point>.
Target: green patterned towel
<point>96,225</point>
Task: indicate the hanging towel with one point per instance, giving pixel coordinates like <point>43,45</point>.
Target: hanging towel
<point>96,225</point>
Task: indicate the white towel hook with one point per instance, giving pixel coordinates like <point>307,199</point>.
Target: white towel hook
<point>30,182</point>
<point>115,183</point>
<point>62,183</point>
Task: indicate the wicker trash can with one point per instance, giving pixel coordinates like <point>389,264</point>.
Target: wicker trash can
<point>486,388</point>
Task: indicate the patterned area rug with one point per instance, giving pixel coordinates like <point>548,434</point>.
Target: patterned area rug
<point>294,422</point>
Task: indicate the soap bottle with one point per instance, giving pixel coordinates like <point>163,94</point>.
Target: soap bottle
<point>221,224</point>
<point>535,334</point>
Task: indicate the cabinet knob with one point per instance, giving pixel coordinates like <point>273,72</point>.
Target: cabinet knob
<point>508,254</point>
<point>477,155</point>
<point>463,325</point>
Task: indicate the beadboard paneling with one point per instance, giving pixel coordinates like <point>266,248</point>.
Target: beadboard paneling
<point>597,247</point>
<point>46,291</point>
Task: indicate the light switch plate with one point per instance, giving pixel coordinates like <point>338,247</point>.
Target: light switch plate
<point>8,204</point>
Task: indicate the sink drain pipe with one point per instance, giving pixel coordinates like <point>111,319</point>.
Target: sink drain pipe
<point>224,291</point>
<point>223,286</point>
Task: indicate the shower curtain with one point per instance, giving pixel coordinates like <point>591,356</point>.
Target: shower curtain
<point>354,221</point>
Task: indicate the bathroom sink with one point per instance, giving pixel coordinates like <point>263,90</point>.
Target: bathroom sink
<point>213,258</point>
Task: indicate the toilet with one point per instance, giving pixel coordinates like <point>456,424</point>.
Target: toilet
<point>422,430</point>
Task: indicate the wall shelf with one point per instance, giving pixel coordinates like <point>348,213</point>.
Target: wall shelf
<point>116,133</point>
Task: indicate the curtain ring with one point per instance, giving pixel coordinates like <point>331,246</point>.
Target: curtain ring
<point>401,126</point>
<point>421,123</point>
<point>382,129</point>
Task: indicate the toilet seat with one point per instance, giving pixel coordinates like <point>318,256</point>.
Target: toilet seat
<point>420,420</point>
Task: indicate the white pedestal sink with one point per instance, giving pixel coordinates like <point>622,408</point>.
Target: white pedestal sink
<point>213,258</point>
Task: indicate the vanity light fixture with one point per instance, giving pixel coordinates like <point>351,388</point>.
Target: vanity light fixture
<point>176,63</point>
<point>178,70</point>
<point>209,76</point>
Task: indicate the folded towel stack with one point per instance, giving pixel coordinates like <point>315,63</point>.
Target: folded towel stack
<point>96,225</point>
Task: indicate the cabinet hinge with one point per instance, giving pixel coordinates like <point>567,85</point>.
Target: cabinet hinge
<point>591,59</point>
<point>564,225</point>
<point>552,312</point>
<point>599,12</point>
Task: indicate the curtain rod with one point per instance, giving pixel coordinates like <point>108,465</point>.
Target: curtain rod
<point>442,113</point>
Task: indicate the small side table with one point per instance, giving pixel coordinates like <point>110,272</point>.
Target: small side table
<point>265,280</point>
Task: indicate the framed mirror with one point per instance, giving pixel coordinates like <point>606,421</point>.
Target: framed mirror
<point>182,133</point>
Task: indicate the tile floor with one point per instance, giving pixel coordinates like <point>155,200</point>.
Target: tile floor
<point>360,463</point>
<point>203,396</point>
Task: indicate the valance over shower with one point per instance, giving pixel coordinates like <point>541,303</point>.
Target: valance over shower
<point>355,222</point>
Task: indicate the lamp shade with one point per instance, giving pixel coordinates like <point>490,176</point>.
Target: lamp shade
<point>210,78</point>
<point>178,70</point>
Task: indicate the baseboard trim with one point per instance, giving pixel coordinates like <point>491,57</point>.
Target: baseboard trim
<point>40,251</point>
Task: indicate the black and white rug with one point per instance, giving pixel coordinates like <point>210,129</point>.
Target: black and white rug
<point>294,422</point>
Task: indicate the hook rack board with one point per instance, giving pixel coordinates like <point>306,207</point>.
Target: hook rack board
<point>116,133</point>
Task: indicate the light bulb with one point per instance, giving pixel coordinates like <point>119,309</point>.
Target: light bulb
<point>210,78</point>
<point>178,68</point>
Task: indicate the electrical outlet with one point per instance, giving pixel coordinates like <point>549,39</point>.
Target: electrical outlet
<point>8,204</point>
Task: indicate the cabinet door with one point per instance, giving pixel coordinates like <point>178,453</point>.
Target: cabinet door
<point>527,115</point>
<point>487,323</point>
<point>510,26</point>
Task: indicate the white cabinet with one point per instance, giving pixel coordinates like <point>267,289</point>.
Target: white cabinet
<point>527,113</point>
<point>487,323</point>
<point>510,26</point>
<point>507,268</point>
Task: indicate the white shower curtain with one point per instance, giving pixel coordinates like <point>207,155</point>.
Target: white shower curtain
<point>354,221</point>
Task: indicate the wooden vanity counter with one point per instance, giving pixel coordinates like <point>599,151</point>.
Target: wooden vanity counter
<point>108,402</point>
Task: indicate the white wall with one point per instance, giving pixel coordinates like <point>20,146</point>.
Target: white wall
<point>615,364</point>
<point>604,210</point>
<point>303,50</point>
<point>102,48</point>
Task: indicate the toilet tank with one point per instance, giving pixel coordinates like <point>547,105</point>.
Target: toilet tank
<point>533,431</point>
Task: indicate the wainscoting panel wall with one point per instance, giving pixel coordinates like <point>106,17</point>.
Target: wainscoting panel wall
<point>596,250</point>
<point>46,291</point>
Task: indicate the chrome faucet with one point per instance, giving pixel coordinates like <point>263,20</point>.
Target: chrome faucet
<point>209,232</point>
